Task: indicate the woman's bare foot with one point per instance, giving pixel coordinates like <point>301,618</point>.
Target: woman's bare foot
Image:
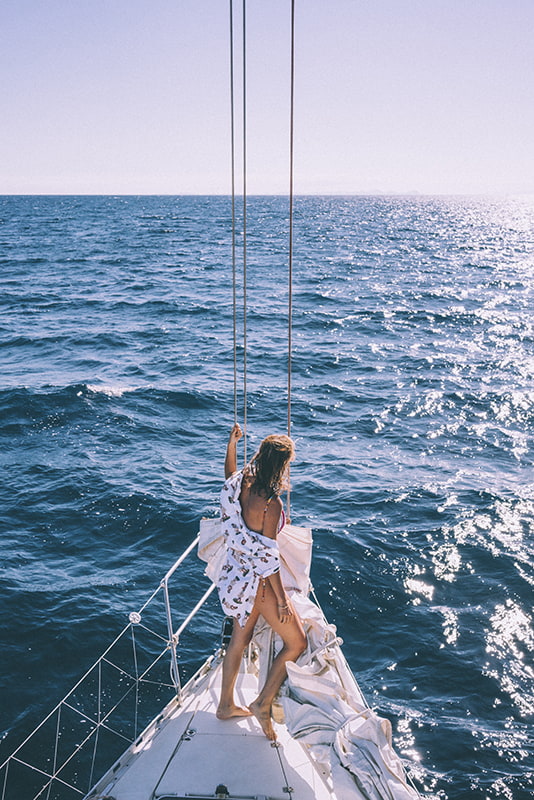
<point>263,715</point>
<point>227,712</point>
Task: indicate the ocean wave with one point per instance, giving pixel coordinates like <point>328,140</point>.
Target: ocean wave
<point>110,390</point>
<point>99,412</point>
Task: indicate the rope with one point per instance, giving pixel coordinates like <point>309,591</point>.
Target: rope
<point>290,270</point>
<point>291,203</point>
<point>232,138</point>
<point>245,230</point>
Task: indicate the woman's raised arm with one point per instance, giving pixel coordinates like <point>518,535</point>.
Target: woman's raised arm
<point>230,462</point>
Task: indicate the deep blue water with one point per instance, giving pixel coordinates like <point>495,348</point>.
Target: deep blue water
<point>413,403</point>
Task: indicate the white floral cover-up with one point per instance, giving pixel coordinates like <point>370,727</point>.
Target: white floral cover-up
<point>250,556</point>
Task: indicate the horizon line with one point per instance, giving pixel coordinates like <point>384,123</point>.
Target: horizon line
<point>412,194</point>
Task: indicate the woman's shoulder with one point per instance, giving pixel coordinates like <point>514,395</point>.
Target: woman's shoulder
<point>273,512</point>
<point>238,474</point>
<point>275,503</point>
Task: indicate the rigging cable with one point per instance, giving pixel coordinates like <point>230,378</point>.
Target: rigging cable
<point>245,230</point>
<point>291,203</point>
<point>290,268</point>
<point>232,145</point>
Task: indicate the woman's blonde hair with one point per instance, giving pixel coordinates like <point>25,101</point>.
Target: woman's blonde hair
<point>269,466</point>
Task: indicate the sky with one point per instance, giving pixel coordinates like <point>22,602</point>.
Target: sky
<point>391,96</point>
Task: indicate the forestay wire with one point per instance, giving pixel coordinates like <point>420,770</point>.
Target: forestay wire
<point>245,400</point>
<point>291,204</point>
<point>232,146</point>
<point>233,170</point>
<point>290,266</point>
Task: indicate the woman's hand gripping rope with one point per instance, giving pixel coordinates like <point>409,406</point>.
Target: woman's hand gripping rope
<point>236,433</point>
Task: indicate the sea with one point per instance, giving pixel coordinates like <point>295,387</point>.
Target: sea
<point>412,411</point>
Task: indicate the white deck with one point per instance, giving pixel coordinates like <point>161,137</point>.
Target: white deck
<point>190,753</point>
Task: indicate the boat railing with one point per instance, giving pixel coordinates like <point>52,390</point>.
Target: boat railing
<point>109,706</point>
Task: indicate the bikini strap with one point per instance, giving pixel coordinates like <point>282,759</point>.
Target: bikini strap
<point>267,506</point>
<point>265,510</point>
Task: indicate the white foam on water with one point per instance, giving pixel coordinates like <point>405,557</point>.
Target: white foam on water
<point>111,390</point>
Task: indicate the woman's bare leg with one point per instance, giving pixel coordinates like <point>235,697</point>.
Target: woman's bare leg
<point>294,639</point>
<point>240,639</point>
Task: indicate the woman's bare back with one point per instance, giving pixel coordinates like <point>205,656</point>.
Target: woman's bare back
<point>260,513</point>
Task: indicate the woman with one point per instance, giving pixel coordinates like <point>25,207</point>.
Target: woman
<point>249,584</point>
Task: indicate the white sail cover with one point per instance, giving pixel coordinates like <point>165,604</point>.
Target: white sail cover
<point>321,703</point>
<point>295,545</point>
